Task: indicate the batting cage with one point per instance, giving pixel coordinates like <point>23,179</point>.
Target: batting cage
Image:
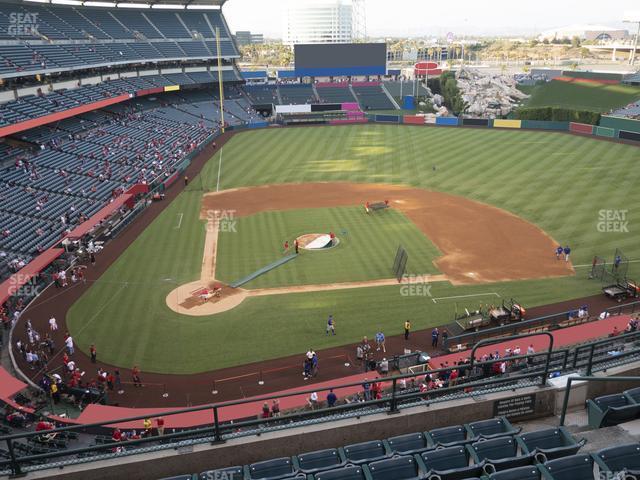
<point>620,265</point>
<point>400,263</point>
<point>598,267</point>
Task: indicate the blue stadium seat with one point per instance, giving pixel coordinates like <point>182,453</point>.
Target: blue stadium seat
<point>365,452</point>
<point>408,444</point>
<point>350,472</point>
<point>521,473</point>
<point>610,410</point>
<point>499,453</point>
<point>446,436</point>
<point>400,468</point>
<point>494,427</point>
<point>321,460</point>
<point>573,467</point>
<point>549,443</point>
<point>620,458</point>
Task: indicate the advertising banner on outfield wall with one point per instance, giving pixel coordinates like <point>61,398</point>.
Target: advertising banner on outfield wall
<point>293,108</point>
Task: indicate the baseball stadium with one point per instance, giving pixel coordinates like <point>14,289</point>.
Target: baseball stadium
<point>211,271</point>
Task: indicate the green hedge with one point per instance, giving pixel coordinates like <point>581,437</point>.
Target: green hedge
<point>554,114</point>
<point>452,96</point>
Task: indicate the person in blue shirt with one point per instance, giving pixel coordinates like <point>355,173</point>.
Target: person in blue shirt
<point>380,342</point>
<point>331,325</point>
<point>559,251</point>
<point>331,399</point>
<point>435,334</point>
<point>567,251</point>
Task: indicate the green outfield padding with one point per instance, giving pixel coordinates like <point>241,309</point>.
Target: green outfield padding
<point>545,125</point>
<point>266,269</point>
<point>620,123</point>
<point>605,132</point>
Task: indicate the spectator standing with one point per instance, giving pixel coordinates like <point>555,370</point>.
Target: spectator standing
<point>160,425</point>
<point>147,425</point>
<point>118,382</point>
<point>331,399</point>
<point>380,342</point>
<point>275,407</point>
<point>69,344</point>
<point>313,400</point>
<point>53,324</point>
<point>407,329</point>
<point>435,335</point>
<point>366,389</point>
<point>93,353</point>
<point>135,373</point>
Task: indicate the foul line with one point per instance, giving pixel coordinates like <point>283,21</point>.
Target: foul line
<point>434,300</point>
<point>219,169</point>
<point>591,264</point>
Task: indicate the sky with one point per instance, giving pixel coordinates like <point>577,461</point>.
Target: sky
<point>434,18</point>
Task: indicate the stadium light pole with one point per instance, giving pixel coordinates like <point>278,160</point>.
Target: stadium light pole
<point>632,58</point>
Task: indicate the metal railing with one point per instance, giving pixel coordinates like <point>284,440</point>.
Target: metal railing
<point>477,379</point>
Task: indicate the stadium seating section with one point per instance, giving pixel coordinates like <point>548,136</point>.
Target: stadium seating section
<point>65,172</point>
<point>502,454</point>
<point>110,37</point>
<point>34,106</point>
<point>373,98</point>
<point>340,93</point>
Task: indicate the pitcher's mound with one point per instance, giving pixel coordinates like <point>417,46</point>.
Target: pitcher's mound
<point>317,241</point>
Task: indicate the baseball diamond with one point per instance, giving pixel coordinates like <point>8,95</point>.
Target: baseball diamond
<point>460,208</point>
<point>364,249</point>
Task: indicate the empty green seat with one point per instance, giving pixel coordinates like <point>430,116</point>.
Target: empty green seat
<point>621,458</point>
<point>407,444</point>
<point>450,463</point>
<point>521,473</point>
<point>447,436</point>
<point>494,427</point>
<point>633,394</point>
<point>499,453</point>
<point>278,468</point>
<point>549,443</point>
<point>321,460</point>
<point>349,472</point>
<point>573,467</point>
<point>400,468</point>
<point>610,410</point>
<point>365,452</point>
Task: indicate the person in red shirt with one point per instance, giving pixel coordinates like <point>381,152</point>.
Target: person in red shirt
<point>44,425</point>
<point>160,425</point>
<point>116,436</point>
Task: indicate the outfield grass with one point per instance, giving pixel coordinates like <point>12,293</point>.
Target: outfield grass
<point>366,251</point>
<point>557,181</point>
<point>582,96</point>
